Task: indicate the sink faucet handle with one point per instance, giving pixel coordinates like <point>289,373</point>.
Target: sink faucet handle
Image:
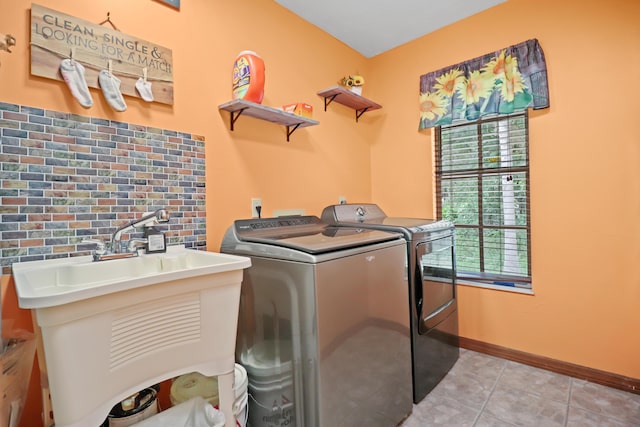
<point>101,247</point>
<point>136,243</point>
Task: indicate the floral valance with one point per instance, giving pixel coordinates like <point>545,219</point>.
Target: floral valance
<point>501,82</point>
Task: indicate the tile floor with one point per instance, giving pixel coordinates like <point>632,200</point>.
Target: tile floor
<point>483,391</point>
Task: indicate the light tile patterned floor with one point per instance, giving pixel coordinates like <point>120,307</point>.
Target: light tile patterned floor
<point>485,391</point>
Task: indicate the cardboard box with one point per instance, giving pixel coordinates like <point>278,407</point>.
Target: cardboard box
<point>16,361</point>
<point>300,108</point>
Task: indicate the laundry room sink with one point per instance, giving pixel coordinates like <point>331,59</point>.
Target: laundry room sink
<point>60,281</point>
<point>111,328</point>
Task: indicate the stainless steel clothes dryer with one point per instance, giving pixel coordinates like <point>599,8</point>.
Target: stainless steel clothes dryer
<point>323,329</point>
<point>430,260</point>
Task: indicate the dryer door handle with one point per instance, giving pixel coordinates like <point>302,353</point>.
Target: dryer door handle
<point>418,278</point>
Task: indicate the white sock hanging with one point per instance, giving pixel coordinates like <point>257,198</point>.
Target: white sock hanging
<point>144,87</point>
<point>110,86</point>
<point>73,74</point>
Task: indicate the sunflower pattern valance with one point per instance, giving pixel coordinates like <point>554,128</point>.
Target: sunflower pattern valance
<point>502,82</point>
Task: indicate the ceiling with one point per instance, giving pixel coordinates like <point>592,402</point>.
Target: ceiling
<point>372,27</point>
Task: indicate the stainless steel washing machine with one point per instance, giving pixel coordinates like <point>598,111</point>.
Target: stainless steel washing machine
<point>323,329</point>
<point>430,261</point>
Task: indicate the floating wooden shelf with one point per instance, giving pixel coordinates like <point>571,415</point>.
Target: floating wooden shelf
<point>292,121</point>
<point>344,96</point>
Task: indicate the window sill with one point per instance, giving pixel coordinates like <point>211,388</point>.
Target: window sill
<point>516,290</point>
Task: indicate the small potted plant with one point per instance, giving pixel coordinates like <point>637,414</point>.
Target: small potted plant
<point>354,83</point>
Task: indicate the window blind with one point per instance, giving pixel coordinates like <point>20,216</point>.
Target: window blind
<point>482,186</point>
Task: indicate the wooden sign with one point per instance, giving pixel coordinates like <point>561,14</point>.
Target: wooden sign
<point>56,36</point>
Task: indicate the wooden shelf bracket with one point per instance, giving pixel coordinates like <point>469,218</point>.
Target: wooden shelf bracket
<point>291,121</point>
<point>344,96</point>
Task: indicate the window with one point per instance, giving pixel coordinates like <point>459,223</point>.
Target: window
<point>482,186</point>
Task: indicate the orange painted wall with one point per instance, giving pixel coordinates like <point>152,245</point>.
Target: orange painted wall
<point>319,164</point>
<point>585,175</point>
<point>255,160</point>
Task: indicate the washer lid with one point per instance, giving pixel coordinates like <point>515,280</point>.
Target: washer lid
<point>306,233</point>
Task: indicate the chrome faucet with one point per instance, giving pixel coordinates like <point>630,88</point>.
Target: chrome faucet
<point>101,253</point>
<point>159,216</point>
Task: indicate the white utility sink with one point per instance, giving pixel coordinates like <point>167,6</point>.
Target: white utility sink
<point>112,328</point>
<point>60,281</point>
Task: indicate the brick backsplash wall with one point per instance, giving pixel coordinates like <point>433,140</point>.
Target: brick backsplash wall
<point>66,177</point>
